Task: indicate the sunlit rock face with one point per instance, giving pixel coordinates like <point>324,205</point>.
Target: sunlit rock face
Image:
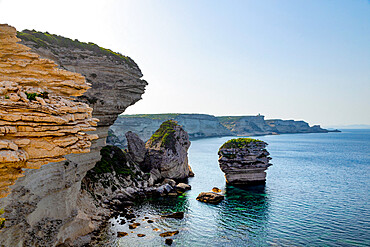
<point>115,79</point>
<point>39,120</point>
<point>244,161</point>
<point>48,206</point>
<point>167,155</point>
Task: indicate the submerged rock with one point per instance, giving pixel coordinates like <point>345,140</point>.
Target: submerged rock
<point>169,234</point>
<point>177,215</point>
<point>244,161</point>
<point>210,197</point>
<point>215,189</point>
<point>168,241</point>
<point>121,234</point>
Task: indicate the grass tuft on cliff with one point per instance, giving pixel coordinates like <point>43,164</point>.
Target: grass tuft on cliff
<point>2,220</point>
<point>112,159</point>
<point>239,143</point>
<point>165,135</point>
<point>46,39</point>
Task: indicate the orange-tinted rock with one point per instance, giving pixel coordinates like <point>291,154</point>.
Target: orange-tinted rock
<point>210,197</point>
<point>168,234</point>
<point>39,120</point>
<point>121,234</point>
<point>215,189</point>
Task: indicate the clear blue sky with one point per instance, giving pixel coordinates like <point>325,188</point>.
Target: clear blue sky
<point>284,59</point>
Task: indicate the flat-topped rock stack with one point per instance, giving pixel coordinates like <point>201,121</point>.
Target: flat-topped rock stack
<point>244,161</point>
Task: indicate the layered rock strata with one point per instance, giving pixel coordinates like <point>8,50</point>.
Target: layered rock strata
<point>167,155</point>
<point>203,126</point>
<point>244,161</point>
<point>115,79</point>
<point>48,207</point>
<point>39,121</point>
<point>196,125</point>
<point>257,125</point>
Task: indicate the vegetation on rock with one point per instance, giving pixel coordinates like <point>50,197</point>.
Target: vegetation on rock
<point>239,143</point>
<point>165,135</point>
<point>32,96</point>
<point>46,39</point>
<point>112,159</point>
<point>2,220</point>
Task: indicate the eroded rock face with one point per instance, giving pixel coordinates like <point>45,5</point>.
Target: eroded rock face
<point>257,125</point>
<point>115,79</point>
<point>48,207</point>
<point>168,152</point>
<point>136,147</point>
<point>39,121</point>
<point>244,161</point>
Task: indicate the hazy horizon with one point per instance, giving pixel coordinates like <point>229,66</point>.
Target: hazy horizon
<point>284,59</point>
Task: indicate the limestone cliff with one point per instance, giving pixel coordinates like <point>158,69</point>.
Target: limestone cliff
<point>48,207</point>
<point>115,79</point>
<point>203,126</point>
<point>244,161</point>
<point>39,121</point>
<point>257,125</point>
<point>196,125</point>
<point>167,155</point>
<point>291,126</point>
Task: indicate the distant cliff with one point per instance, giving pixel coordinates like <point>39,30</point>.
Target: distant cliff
<point>203,125</point>
<point>197,126</point>
<point>257,125</point>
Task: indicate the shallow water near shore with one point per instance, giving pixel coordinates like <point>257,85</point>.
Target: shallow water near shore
<point>316,194</point>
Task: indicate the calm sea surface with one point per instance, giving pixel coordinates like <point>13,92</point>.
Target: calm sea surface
<point>316,194</point>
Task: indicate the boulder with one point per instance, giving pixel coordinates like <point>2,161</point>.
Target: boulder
<point>210,197</point>
<point>136,147</point>
<point>215,189</point>
<point>244,161</point>
<point>169,181</point>
<point>183,187</point>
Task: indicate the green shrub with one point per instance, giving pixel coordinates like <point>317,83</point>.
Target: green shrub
<point>239,143</point>
<point>32,96</point>
<point>2,220</point>
<point>165,135</point>
<point>112,159</point>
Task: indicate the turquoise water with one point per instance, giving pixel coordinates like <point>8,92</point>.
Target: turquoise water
<point>316,194</point>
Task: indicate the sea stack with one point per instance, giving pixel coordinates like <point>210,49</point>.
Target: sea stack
<point>244,161</point>
<point>167,155</point>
